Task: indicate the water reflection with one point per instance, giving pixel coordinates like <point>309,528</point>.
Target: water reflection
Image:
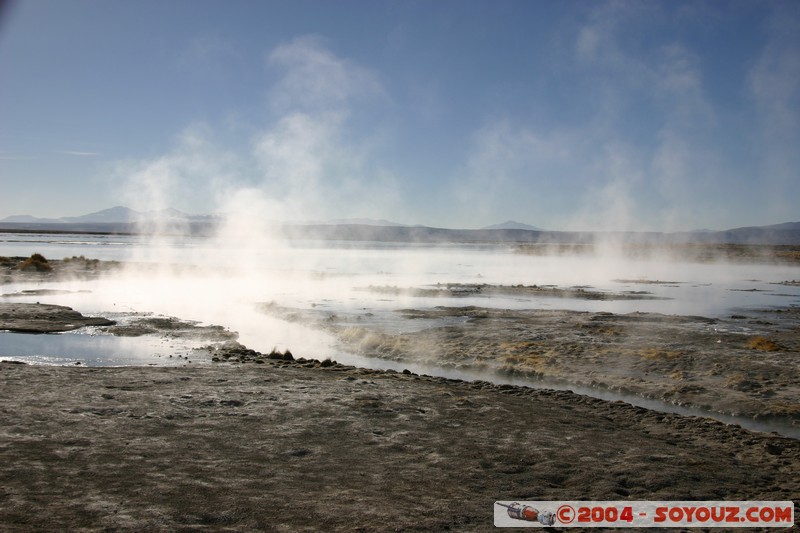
<point>96,350</point>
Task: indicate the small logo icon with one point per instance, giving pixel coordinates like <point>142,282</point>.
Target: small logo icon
<point>529,514</point>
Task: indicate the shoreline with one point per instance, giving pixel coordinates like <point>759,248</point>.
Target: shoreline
<point>741,366</point>
<point>668,381</point>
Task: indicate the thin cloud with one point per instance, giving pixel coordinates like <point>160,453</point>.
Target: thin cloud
<point>77,153</point>
<point>517,169</point>
<point>600,172</point>
<point>181,177</point>
<point>310,158</point>
<point>317,79</point>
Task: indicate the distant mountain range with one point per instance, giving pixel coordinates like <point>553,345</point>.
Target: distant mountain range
<point>359,221</point>
<point>511,224</point>
<point>113,215</point>
<point>121,219</point>
<point>126,215</point>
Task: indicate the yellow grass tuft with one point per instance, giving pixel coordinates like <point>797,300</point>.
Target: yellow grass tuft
<point>764,344</point>
<point>35,262</point>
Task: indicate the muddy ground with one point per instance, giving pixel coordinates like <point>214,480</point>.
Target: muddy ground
<point>263,442</point>
<point>279,446</point>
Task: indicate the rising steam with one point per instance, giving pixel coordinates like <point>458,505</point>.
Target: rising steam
<point>307,161</point>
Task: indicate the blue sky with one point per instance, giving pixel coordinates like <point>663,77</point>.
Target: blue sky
<point>562,114</point>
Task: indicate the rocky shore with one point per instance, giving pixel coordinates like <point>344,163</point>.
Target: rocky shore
<point>741,365</point>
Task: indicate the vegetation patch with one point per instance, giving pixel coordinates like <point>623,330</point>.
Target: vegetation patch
<point>520,347</point>
<point>35,262</point>
<point>764,344</point>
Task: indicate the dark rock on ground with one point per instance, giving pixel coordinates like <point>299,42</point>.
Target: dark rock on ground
<point>44,318</point>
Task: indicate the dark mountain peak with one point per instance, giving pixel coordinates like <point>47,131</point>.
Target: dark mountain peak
<point>513,224</point>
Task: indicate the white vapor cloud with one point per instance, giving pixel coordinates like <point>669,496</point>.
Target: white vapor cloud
<point>510,161</point>
<point>601,172</point>
<point>182,177</point>
<point>309,158</point>
<point>317,80</point>
<point>304,163</point>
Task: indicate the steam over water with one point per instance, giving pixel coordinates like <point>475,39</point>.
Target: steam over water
<point>214,282</point>
<point>224,283</point>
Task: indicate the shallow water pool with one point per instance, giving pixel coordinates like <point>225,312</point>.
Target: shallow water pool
<point>96,349</point>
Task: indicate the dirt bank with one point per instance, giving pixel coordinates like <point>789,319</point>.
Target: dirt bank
<point>281,447</point>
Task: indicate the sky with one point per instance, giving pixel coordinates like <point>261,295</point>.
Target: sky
<point>614,115</point>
